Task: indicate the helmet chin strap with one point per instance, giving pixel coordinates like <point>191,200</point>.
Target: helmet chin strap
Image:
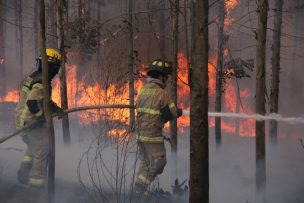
<point>164,79</point>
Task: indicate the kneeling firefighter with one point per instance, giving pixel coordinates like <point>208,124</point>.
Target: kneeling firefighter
<point>33,166</point>
<point>154,108</point>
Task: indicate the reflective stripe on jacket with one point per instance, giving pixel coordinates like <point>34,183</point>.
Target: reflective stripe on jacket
<point>151,99</point>
<point>32,89</point>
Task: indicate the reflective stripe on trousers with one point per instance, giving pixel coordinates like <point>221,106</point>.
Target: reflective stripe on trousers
<point>142,179</point>
<point>26,159</point>
<point>149,139</point>
<point>37,182</point>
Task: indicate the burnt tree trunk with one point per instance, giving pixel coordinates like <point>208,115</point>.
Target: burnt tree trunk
<point>46,104</point>
<point>63,83</point>
<point>275,77</point>
<point>260,94</point>
<point>2,49</point>
<point>174,52</point>
<point>199,128</point>
<point>219,71</point>
<point>130,62</point>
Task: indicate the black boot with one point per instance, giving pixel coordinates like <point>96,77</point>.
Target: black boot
<point>140,193</point>
<point>23,172</point>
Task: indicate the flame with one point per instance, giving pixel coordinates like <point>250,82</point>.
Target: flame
<point>82,94</point>
<point>230,5</point>
<point>11,96</point>
<point>246,126</point>
<point>1,61</point>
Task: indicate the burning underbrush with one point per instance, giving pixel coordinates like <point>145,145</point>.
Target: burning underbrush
<point>115,91</point>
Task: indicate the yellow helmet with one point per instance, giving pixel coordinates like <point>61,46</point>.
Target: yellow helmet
<point>53,56</point>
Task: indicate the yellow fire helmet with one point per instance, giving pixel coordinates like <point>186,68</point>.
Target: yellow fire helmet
<point>53,56</point>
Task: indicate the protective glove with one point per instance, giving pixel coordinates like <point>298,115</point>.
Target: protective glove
<point>179,112</point>
<point>40,120</point>
<point>59,112</point>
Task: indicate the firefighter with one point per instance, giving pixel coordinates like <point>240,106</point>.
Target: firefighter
<point>154,108</point>
<point>33,166</point>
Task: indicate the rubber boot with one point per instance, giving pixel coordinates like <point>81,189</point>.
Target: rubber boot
<point>23,172</point>
<point>140,193</point>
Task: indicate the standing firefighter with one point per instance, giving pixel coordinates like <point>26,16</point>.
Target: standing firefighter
<point>33,166</point>
<point>154,107</point>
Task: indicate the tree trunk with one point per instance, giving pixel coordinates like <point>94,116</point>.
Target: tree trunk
<point>63,84</point>
<point>174,51</point>
<point>162,29</point>
<point>52,22</point>
<point>46,104</point>
<point>81,16</point>
<point>219,71</point>
<point>20,36</point>
<point>199,128</point>
<point>130,62</point>
<point>260,94</point>
<point>275,77</point>
<point>35,26</point>
<point>237,108</point>
<point>295,48</point>
<point>2,49</point>
<point>186,7</point>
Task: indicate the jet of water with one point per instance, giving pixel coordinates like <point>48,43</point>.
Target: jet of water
<point>258,117</point>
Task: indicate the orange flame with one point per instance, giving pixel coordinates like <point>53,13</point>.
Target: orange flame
<point>11,96</point>
<point>230,96</point>
<point>230,5</point>
<point>80,94</point>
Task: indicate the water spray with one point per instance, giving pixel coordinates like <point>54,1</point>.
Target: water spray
<point>258,117</point>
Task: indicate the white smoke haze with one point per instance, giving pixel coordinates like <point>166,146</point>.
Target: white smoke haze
<point>232,168</point>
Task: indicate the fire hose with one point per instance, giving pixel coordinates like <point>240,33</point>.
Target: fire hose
<point>83,108</point>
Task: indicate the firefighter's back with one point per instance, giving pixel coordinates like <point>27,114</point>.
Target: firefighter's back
<point>148,107</point>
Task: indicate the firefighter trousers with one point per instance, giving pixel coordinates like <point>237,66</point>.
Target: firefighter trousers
<point>153,161</point>
<point>37,142</point>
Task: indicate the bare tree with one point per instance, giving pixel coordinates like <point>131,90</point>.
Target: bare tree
<point>162,29</point>
<point>46,103</point>
<point>260,94</point>
<point>275,77</point>
<point>63,83</point>
<point>19,35</point>
<point>219,70</point>
<point>20,28</point>
<point>131,62</point>
<point>199,128</point>
<point>2,48</point>
<point>35,27</point>
<point>174,52</point>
